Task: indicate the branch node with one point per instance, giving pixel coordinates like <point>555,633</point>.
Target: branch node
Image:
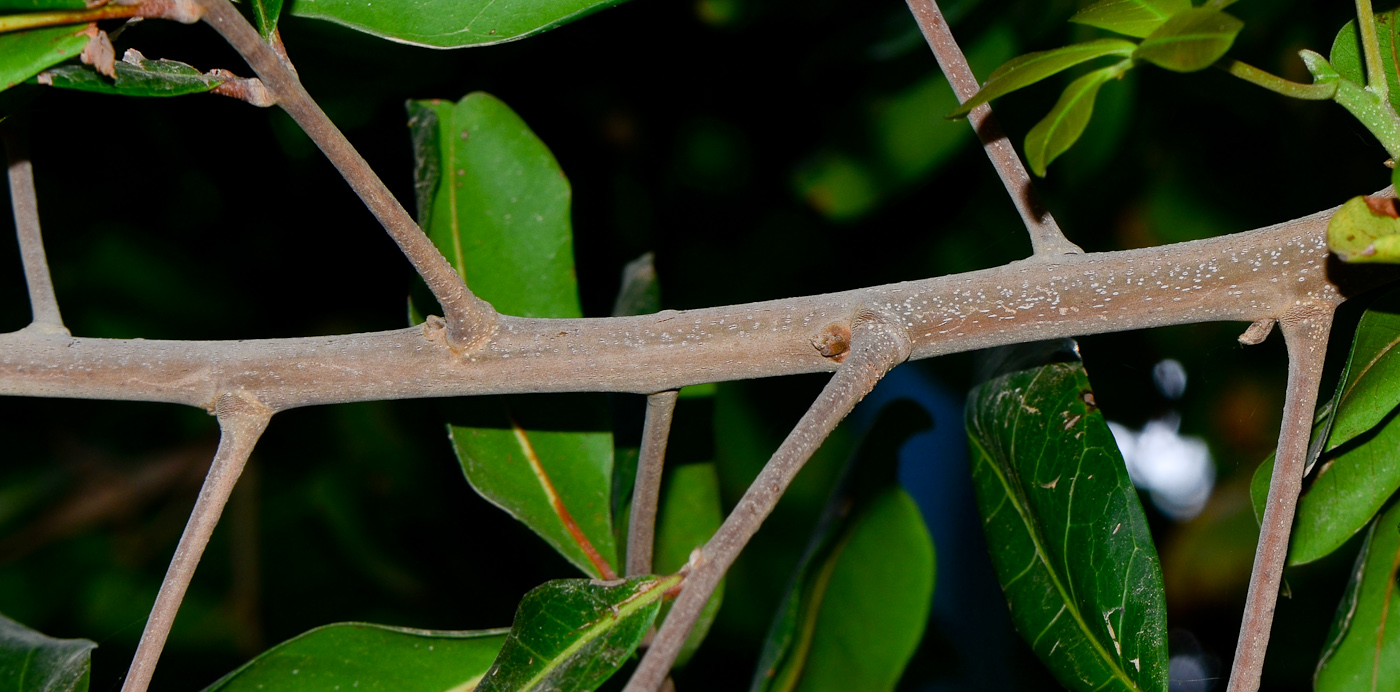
<point>833,342</point>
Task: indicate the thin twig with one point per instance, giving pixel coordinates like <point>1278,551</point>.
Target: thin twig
<point>1305,330</point>
<point>42,301</point>
<point>879,341</point>
<point>1317,91</point>
<point>1046,238</point>
<point>471,322</point>
<point>241,421</point>
<point>641,529</point>
<point>1370,47</point>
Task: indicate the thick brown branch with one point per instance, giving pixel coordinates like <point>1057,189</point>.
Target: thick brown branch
<point>1305,329</point>
<point>641,528</point>
<point>470,320</point>
<point>879,341</point>
<point>1243,277</point>
<point>1046,237</point>
<point>241,420</point>
<point>42,301</point>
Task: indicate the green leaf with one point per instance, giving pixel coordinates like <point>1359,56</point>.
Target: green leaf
<point>450,23</point>
<point>24,54</point>
<point>361,656</point>
<point>1345,55</point>
<point>499,209</point>
<point>265,16</point>
<point>136,76</point>
<point>33,662</point>
<point>877,588</point>
<point>689,513</point>
<point>1067,533</point>
<point>1363,647</point>
<point>573,634</point>
<point>1190,41</point>
<point>1364,230</point>
<point>1353,484</point>
<point>866,539</point>
<point>1063,125</point>
<point>1136,18</point>
<point>11,6</point>
<point>529,457</point>
<point>1032,67</point>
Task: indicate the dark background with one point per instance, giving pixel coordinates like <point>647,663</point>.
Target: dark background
<point>761,150</point>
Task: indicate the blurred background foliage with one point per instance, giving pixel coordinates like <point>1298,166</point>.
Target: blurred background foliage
<point>761,150</point>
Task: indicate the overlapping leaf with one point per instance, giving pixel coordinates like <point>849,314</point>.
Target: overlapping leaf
<point>1061,128</point>
<point>1136,18</point>
<point>573,634</point>
<point>1361,455</point>
<point>1067,533</point>
<point>24,54</point>
<point>450,23</point>
<point>494,201</point>
<point>136,76</point>
<point>1190,41</point>
<point>1363,648</point>
<point>1030,68</point>
<point>33,662</point>
<point>265,16</point>
<point>373,658</point>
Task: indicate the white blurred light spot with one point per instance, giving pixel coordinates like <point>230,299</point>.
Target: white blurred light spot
<point>1170,378</point>
<point>1177,471</point>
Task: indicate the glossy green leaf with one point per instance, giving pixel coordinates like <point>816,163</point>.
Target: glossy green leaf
<point>265,16</point>
<point>1345,55</point>
<point>450,23</point>
<point>866,539</point>
<point>573,634</point>
<point>1066,530</point>
<point>1363,648</point>
<point>1364,231</point>
<point>11,6</point>
<point>1190,41</point>
<point>528,457</point>
<point>495,202</point>
<point>33,662</point>
<point>1062,126</point>
<point>1136,18</point>
<point>1355,480</point>
<point>24,54</point>
<point>1032,67</point>
<point>689,513</point>
<point>499,204</point>
<point>136,76</point>
<point>373,658</point>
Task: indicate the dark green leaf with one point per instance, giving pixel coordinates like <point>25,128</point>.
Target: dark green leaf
<point>136,76</point>
<point>373,658</point>
<point>1345,55</point>
<point>1353,483</point>
<point>573,634</point>
<point>1059,129</point>
<point>1032,67</point>
<point>265,15</point>
<point>1190,41</point>
<point>528,459</point>
<point>1363,647</point>
<point>24,54</point>
<point>1136,18</point>
<point>689,513</point>
<point>872,600</point>
<point>450,23</point>
<point>33,662</point>
<point>1067,533</point>
<point>10,6</point>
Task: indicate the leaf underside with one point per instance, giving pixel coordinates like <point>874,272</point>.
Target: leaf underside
<point>450,23</point>
<point>1030,68</point>
<point>1136,18</point>
<point>1190,41</point>
<point>138,77</point>
<point>34,662</point>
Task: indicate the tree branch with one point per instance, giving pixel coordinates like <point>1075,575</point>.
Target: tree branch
<point>471,322</point>
<point>1305,329</point>
<point>42,301</point>
<point>1228,278</point>
<point>878,341</point>
<point>641,528</point>
<point>1046,238</point>
<point>241,420</point>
